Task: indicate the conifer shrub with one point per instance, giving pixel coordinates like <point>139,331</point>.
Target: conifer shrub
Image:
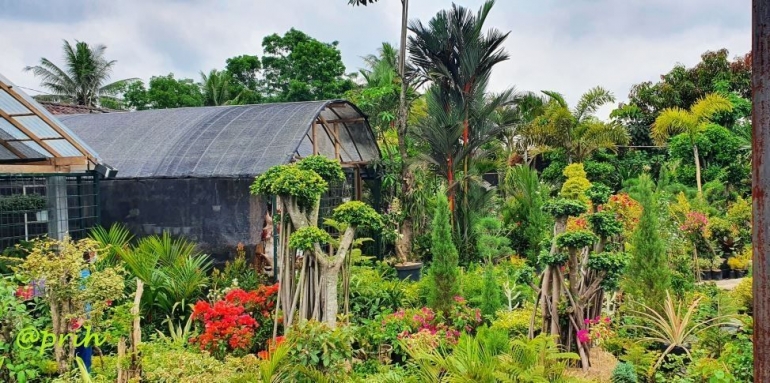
<point>444,272</point>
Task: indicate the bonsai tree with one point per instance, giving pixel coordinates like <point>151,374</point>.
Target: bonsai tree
<point>572,283</point>
<point>299,188</point>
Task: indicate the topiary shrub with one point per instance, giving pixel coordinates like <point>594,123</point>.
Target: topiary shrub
<point>576,184</point>
<point>576,239</point>
<point>598,193</point>
<point>562,208</point>
<point>330,170</point>
<point>612,265</point>
<point>624,373</point>
<point>605,224</point>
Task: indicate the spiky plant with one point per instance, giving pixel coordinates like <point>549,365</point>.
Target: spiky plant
<point>112,239</point>
<point>674,326</point>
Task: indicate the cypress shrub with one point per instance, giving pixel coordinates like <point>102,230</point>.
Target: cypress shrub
<point>444,272</point>
<point>648,274</point>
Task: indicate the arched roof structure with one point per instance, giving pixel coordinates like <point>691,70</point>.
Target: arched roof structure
<point>225,141</point>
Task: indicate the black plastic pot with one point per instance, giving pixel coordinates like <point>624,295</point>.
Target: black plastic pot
<point>744,273</point>
<point>726,274</point>
<point>716,275</point>
<point>735,274</point>
<point>705,275</point>
<point>409,271</point>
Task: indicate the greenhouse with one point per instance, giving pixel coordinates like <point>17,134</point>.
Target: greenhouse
<point>187,171</point>
<point>48,177</point>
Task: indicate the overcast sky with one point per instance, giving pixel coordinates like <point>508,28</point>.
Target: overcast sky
<point>563,45</point>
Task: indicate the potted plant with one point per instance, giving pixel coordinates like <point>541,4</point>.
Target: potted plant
<point>716,271</point>
<point>704,265</point>
<point>22,203</point>
<point>736,264</point>
<point>407,267</point>
<point>741,262</point>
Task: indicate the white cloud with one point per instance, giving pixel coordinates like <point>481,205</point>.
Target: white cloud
<point>556,45</point>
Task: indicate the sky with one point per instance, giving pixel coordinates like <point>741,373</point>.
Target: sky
<point>568,46</point>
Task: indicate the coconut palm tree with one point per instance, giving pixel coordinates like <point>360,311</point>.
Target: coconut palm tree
<point>577,131</point>
<point>82,80</point>
<point>216,88</point>
<point>673,121</point>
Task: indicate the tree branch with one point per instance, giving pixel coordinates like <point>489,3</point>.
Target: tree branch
<point>345,243</point>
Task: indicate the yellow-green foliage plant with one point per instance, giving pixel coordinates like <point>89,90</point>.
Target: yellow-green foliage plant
<point>744,293</point>
<point>576,185</point>
<point>71,282</point>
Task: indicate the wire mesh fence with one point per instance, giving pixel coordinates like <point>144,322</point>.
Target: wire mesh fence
<point>52,205</point>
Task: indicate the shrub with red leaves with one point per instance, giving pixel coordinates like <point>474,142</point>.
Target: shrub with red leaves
<point>234,323</point>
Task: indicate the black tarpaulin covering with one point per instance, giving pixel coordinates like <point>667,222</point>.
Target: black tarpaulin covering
<point>226,141</point>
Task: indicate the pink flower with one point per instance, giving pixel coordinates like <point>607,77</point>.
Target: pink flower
<point>583,336</point>
<point>586,321</point>
<point>459,299</point>
<point>607,320</point>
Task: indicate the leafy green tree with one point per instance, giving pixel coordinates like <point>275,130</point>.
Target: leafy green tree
<point>298,67</point>
<point>444,273</point>
<point>83,79</point>
<point>681,88</point>
<point>577,131</point>
<point>164,92</point>
<point>648,273</point>
<point>692,122</point>
<point>245,72</point>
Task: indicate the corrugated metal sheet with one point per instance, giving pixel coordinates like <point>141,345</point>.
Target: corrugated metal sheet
<point>10,105</point>
<point>38,127</point>
<point>230,141</point>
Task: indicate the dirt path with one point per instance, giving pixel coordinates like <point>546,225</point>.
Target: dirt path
<point>728,284</point>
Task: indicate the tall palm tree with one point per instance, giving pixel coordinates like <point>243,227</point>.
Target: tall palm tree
<point>455,53</point>
<point>673,121</point>
<point>577,131</point>
<point>381,69</point>
<point>82,80</point>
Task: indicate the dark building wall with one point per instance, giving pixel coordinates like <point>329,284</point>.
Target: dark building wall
<point>215,213</point>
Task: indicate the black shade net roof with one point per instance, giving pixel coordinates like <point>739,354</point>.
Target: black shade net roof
<point>223,141</point>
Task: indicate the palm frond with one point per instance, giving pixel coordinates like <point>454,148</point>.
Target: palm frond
<point>705,108</point>
<point>671,122</point>
<point>112,239</point>
<point>591,101</point>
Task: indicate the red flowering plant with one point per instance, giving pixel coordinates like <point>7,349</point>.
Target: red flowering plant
<point>695,224</point>
<point>597,330</point>
<point>238,323</point>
